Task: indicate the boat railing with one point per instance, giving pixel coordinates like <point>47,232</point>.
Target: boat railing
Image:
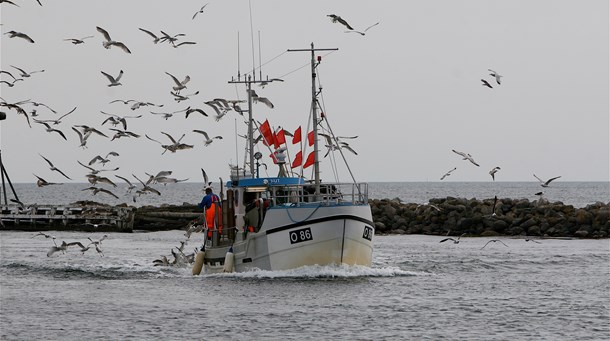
<point>330,194</point>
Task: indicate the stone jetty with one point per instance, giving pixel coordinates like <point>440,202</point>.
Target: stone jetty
<point>473,217</point>
<point>439,216</point>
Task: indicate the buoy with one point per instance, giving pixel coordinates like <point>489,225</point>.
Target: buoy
<point>199,261</point>
<point>229,261</point>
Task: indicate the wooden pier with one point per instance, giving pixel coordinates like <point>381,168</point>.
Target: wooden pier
<point>87,217</point>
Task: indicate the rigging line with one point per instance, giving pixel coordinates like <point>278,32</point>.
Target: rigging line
<point>300,67</point>
<point>270,60</point>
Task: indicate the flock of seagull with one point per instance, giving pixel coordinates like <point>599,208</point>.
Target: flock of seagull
<point>457,240</point>
<point>216,108</point>
<point>63,247</point>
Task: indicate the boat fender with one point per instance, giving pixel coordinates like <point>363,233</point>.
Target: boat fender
<point>199,261</point>
<point>229,261</point>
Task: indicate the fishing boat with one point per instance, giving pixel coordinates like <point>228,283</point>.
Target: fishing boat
<point>286,222</point>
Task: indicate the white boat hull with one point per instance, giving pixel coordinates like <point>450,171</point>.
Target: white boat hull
<point>292,237</point>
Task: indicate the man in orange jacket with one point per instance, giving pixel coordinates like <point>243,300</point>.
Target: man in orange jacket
<point>213,211</point>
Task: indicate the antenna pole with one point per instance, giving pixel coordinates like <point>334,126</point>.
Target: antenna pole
<point>314,107</point>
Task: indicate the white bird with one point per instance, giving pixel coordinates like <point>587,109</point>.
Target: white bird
<point>154,36</point>
<point>50,130</point>
<point>109,42</point>
<point>14,34</point>
<point>335,18</point>
<point>493,241</point>
<point>207,140</point>
<point>25,74</point>
<point>448,173</point>
<point>455,241</point>
<point>546,183</point>
<point>493,173</point>
<point>102,160</point>
<point>42,182</point>
<point>199,11</point>
<point>76,41</point>
<point>56,121</point>
<point>97,242</point>
<point>466,157</point>
<point>130,186</point>
<point>179,85</point>
<point>113,81</point>
<point>53,168</point>
<point>363,32</point>
<point>496,75</point>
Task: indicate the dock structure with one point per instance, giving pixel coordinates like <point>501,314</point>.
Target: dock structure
<point>87,217</point>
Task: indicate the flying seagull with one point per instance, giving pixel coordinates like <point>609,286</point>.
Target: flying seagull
<point>208,140</point>
<point>199,11</point>
<point>154,36</point>
<point>8,2</point>
<point>113,81</point>
<point>51,130</point>
<point>109,42</point>
<point>42,182</point>
<point>14,34</point>
<point>455,241</point>
<point>25,74</point>
<point>179,85</point>
<point>493,173</point>
<point>466,157</point>
<point>53,168</point>
<point>486,83</point>
<point>77,41</point>
<point>496,75</point>
<point>335,18</point>
<point>448,173</point>
<point>363,32</point>
<point>493,241</point>
<point>546,183</point>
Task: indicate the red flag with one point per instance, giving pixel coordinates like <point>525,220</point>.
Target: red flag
<point>310,160</point>
<point>298,159</point>
<point>280,138</point>
<point>267,133</point>
<point>272,156</point>
<point>297,136</point>
<point>310,138</point>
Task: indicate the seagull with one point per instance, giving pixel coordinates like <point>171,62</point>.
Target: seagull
<point>76,41</point>
<point>97,190</point>
<point>113,81</point>
<point>220,112</point>
<point>14,34</point>
<point>25,74</point>
<point>96,171</point>
<point>336,18</point>
<point>145,187</point>
<point>42,182</point>
<point>50,130</point>
<point>466,157</point>
<point>123,133</point>
<point>178,98</point>
<point>155,38</point>
<point>44,234</point>
<point>256,98</point>
<point>493,172</point>
<point>207,140</point>
<point>8,73</point>
<point>11,84</point>
<point>206,181</point>
<point>57,121</point>
<point>199,11</point>
<point>53,168</point>
<point>116,119</point>
<point>63,247</point>
<point>184,43</point>
<point>102,160</point>
<point>494,240</point>
<point>546,183</point>
<point>448,173</point>
<point>364,31</point>
<point>171,39</point>
<point>37,104</point>
<point>189,111</point>
<point>130,186</point>
<point>495,74</point>
<point>179,85</point>
<point>176,145</point>
<point>455,241</point>
<point>532,240</point>
<point>109,42</point>
<point>494,206</point>
<point>486,83</point>
<point>8,2</point>
<point>94,179</point>
<point>97,242</point>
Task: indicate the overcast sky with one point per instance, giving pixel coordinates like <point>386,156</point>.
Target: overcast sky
<point>410,89</point>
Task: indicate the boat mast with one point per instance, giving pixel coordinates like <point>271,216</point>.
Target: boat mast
<point>314,108</point>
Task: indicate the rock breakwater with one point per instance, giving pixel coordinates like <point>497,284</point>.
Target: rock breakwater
<point>476,218</point>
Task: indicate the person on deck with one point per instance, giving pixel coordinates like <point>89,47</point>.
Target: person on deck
<point>213,211</point>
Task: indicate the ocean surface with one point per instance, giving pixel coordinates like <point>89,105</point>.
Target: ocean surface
<point>416,289</point>
<point>578,194</point>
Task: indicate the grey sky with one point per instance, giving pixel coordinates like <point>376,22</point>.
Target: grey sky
<point>410,88</point>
